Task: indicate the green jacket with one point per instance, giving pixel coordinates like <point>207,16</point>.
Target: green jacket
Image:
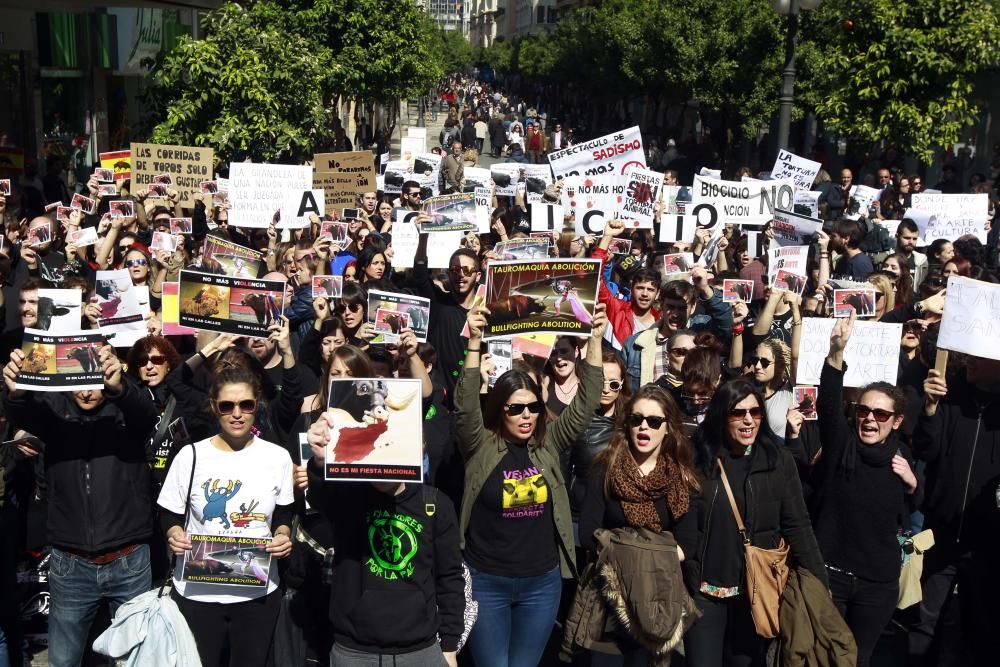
<point>483,450</point>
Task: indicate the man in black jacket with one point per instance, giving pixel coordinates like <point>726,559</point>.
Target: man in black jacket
<point>100,509</point>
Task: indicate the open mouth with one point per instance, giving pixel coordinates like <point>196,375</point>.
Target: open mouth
<point>747,432</point>
<point>869,429</point>
<point>525,428</point>
<point>642,439</point>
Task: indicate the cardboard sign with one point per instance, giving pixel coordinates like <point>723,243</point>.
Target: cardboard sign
<point>230,305</point>
<point>257,191</point>
<point>339,188</point>
<point>792,229</point>
<point>61,362</point>
<point>952,216</point>
<point>375,434</point>
<point>120,162</point>
<point>801,171</point>
<point>361,164</point>
<point>188,165</point>
<point>642,192</point>
<point>872,353</point>
<point>739,202</point>
<point>610,154</point>
<point>971,319</point>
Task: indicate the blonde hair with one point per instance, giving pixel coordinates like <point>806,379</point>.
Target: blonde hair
<point>782,359</point>
<point>885,286</point>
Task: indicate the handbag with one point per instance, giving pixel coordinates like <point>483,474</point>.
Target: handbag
<point>766,573</point>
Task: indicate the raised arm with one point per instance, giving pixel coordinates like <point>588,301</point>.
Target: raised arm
<point>468,411</point>
<point>574,419</point>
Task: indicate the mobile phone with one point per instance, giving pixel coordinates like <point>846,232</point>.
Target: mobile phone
<point>350,214</point>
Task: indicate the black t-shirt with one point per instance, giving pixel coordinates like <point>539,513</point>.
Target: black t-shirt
<point>511,531</point>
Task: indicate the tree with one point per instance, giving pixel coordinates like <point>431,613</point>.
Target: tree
<point>898,72</point>
<point>452,50</point>
<point>498,56</point>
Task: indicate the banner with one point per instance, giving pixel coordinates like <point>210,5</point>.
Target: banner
<point>792,229</point>
<point>360,164</point>
<point>188,166</point>
<point>257,191</point>
<point>971,319</point>
<point>61,362</point>
<point>530,296</point>
<point>952,216</point>
<point>392,313</point>
<point>230,305</point>
<point>793,259</point>
<point>642,192</point>
<point>739,202</point>
<point>872,353</point>
<point>227,258</point>
<point>610,154</point>
<point>376,430</point>
<point>227,560</point>
<point>799,170</point>
<point>118,161</point>
<point>450,213</point>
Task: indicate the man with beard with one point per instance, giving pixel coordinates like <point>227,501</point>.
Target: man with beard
<point>637,313</point>
<point>907,237</point>
<point>448,308</point>
<point>270,355</point>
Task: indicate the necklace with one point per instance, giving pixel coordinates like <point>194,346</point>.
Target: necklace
<point>567,392</point>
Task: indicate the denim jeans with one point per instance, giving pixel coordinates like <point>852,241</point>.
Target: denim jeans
<point>516,617</point>
<point>76,589</point>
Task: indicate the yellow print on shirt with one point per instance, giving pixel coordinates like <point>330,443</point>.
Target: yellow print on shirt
<point>524,493</point>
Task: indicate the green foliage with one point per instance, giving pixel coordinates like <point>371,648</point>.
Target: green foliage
<point>899,72</point>
<point>499,57</point>
<point>454,51</point>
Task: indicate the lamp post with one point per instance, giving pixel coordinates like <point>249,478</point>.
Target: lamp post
<point>791,9</point>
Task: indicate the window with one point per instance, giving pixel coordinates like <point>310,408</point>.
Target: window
<point>541,15</point>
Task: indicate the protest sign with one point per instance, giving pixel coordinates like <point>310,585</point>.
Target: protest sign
<point>360,164</point>
<point>501,351</point>
<point>736,291</point>
<point>971,319</point>
<point>529,248</point>
<point>375,430</point>
<point>806,202</point>
<point>397,172</point>
<point>414,313</point>
<point>712,249</point>
<point>872,353</point>
<point>229,259</point>
<point>642,192</point>
<point>225,304</point>
<point>180,226</point>
<point>792,229</point>
<point>800,170</point>
<point>119,303</point>
<point>861,198</point>
<point>410,147</point>
<point>257,191</point>
<point>789,258</point>
<point>536,345</point>
<point>752,203</point>
<point>439,252</point>
<point>427,172</point>
<point>163,241</point>
<point>804,400</point>
<point>591,201</point>
<point>68,361</point>
<point>953,216</point>
<point>418,132</point>
<point>505,177</point>
<point>546,218</point>
<point>620,246</point>
<point>227,560</point>
<point>790,282</point>
<point>56,311</point>
<point>484,210</point>
<point>188,165</point>
<point>670,204</point>
<point>677,266</point>
<point>81,237</point>
<point>330,287</point>
<point>610,154</point>
<point>299,205</point>
<point>860,301</point>
<point>528,296</point>
<point>677,228</point>
<point>118,161</point>
<point>170,311</point>
<point>336,231</point>
<point>449,213</point>
<point>339,188</point>
<point>537,177</point>
<point>477,177</point>
<point>405,238</point>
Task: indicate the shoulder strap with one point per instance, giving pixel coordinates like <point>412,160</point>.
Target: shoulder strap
<point>187,514</point>
<point>732,502</point>
<point>430,499</point>
<point>165,418</point>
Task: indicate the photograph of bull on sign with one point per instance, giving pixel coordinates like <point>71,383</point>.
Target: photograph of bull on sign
<point>861,301</point>
<point>543,296</point>
<point>391,313</point>
<point>230,305</point>
<point>375,430</point>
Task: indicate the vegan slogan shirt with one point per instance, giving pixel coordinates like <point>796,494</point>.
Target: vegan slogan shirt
<point>512,532</point>
<point>233,494</point>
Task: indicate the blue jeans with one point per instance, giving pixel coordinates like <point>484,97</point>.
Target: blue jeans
<point>516,617</point>
<point>76,589</point>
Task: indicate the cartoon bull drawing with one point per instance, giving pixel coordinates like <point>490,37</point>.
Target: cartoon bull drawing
<point>216,499</point>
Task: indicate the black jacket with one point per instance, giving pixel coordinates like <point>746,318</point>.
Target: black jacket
<point>773,508</point>
<point>398,582</point>
<point>592,442</point>
<point>98,479</point>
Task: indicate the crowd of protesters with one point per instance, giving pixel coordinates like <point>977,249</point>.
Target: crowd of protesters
<point>675,401</point>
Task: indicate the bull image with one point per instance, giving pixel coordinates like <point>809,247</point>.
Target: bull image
<point>862,302</point>
<point>793,283</point>
<point>86,356</point>
<point>396,322</point>
<point>418,318</point>
<point>36,360</point>
<point>327,285</point>
<point>743,291</point>
<point>679,263</point>
<point>422,167</point>
<point>501,179</point>
<point>205,303</point>
<point>262,306</point>
<point>515,307</point>
<point>534,185</point>
<point>394,178</point>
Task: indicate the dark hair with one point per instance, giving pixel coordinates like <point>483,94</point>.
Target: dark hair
<point>970,249</point>
<point>409,185</point>
<point>708,341</point>
<point>712,437</point>
<point>677,290</point>
<point>894,393</point>
<point>238,357</point>
<point>907,225</point>
<point>504,388</point>
<point>138,354</point>
<point>646,276</point>
<point>702,368</point>
<point>353,294</point>
<point>612,357</point>
<point>365,258</point>
<point>850,230</point>
<point>234,376</point>
<point>357,362</point>
<point>934,249</point>
<point>465,252</point>
<point>904,284</point>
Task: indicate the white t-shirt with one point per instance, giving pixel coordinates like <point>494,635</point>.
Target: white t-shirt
<point>261,478</point>
<point>777,411</point>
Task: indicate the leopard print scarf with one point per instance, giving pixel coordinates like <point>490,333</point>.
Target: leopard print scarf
<point>637,493</point>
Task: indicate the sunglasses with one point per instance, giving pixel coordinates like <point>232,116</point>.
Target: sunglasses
<point>135,262</point>
<point>515,409</point>
<point>697,398</point>
<point>228,407</point>
<point>124,248</point>
<point>739,414</point>
<point>764,363</point>
<point>461,270</point>
<point>635,420</point>
<point>679,351</point>
<point>881,416</point>
<point>156,359</point>
<point>353,307</point>
<point>413,194</point>
<point>912,327</point>
<point>614,385</point>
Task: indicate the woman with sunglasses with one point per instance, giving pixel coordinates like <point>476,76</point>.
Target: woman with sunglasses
<point>765,485</point>
<point>865,491</point>
<point>516,527</point>
<point>885,293</point>
<point>644,479</point>
<point>773,370</point>
<point>353,311</point>
<point>233,485</point>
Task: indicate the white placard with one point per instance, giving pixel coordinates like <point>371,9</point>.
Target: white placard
<point>505,177</point>
<point>872,353</point>
<point>484,209</point>
<point>444,244</point>
<point>800,170</point>
<point>591,201</point>
<point>790,258</point>
<point>405,238</point>
<point>792,229</point>
<point>971,320</point>
<point>952,216</point>
<point>257,191</point>
<point>546,218</point>
<point>642,192</point>
<point>610,154</point>
<point>299,205</point>
<point>864,196</point>
<point>410,147</point>
<point>806,202</point>
<point>537,177</point>
<point>739,202</point>
<point>677,228</point>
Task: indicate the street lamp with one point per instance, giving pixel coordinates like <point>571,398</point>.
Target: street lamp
<point>791,9</point>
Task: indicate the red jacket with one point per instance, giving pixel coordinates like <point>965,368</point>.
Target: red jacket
<point>620,313</point>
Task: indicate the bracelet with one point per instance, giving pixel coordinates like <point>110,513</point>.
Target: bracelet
<point>796,324</point>
<point>824,254</point>
<point>739,328</point>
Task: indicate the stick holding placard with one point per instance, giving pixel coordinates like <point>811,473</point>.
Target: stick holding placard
<point>941,362</point>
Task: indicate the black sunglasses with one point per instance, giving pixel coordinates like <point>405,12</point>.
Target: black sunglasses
<point>515,409</point>
<point>881,416</point>
<point>739,414</point>
<point>353,307</point>
<point>635,420</point>
<point>413,194</point>
<point>764,363</point>
<point>248,406</point>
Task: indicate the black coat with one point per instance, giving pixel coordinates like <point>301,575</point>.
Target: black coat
<point>100,495</point>
<point>592,441</point>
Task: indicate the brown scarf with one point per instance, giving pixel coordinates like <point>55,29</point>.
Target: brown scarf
<point>637,493</point>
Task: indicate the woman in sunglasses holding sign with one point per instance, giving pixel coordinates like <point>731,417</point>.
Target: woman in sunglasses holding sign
<point>232,485</point>
<point>516,526</point>
<point>865,492</point>
<point>766,491</point>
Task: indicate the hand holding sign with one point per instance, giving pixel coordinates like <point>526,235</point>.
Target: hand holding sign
<point>11,370</point>
<point>112,369</point>
<point>477,323</point>
<point>614,228</point>
<point>935,389</point>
